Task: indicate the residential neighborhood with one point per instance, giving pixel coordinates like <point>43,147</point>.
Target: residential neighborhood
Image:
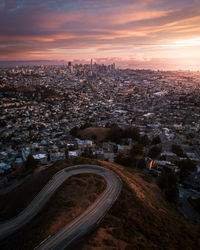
<point>40,106</point>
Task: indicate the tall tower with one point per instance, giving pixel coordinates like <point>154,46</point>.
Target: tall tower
<point>91,65</point>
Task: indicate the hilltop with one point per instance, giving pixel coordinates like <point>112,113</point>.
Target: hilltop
<point>140,218</point>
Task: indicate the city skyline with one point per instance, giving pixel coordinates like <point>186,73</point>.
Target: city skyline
<point>138,34</point>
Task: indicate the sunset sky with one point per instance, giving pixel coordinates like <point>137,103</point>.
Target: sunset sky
<point>153,33</point>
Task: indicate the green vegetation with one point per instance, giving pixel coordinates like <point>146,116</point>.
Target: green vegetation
<point>136,150</point>
<point>168,183</point>
<point>113,133</point>
<point>88,153</point>
<point>142,163</point>
<point>195,203</point>
<point>144,140</point>
<point>177,149</point>
<point>31,163</point>
<point>186,168</point>
<point>135,157</point>
<point>155,152</point>
<point>122,159</point>
<point>156,140</point>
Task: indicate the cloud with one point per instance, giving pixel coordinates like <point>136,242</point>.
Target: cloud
<point>84,28</point>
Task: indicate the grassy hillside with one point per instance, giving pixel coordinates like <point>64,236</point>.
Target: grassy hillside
<point>94,133</point>
<point>140,218</point>
<point>14,202</point>
<point>70,200</point>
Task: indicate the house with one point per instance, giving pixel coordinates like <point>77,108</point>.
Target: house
<point>73,154</point>
<point>57,156</point>
<point>5,167</point>
<point>149,163</point>
<point>169,156</point>
<point>159,165</point>
<point>41,157</point>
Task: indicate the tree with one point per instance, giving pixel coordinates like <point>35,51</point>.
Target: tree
<point>176,149</point>
<point>115,134</point>
<point>31,163</point>
<point>168,183</point>
<point>87,153</point>
<point>186,168</point>
<point>142,163</point>
<point>156,140</point>
<point>172,194</point>
<point>94,137</point>
<point>144,140</point>
<point>137,149</point>
<point>74,131</point>
<point>155,152</point>
<point>132,132</point>
<point>122,159</point>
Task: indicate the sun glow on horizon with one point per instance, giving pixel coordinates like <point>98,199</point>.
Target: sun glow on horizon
<point>78,30</point>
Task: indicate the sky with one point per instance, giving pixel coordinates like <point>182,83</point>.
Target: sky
<point>133,33</point>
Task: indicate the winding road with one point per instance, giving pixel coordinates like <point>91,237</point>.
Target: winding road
<point>81,224</point>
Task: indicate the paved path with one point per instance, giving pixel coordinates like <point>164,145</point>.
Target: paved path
<point>80,225</point>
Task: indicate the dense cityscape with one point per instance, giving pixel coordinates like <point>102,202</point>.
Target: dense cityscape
<point>40,105</point>
<point>99,125</point>
<point>142,119</point>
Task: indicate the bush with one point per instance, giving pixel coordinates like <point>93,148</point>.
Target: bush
<point>155,152</point>
<point>186,167</point>
<point>122,159</point>
<point>142,163</point>
<point>156,140</point>
<point>132,132</point>
<point>31,163</point>
<point>168,183</point>
<point>176,149</point>
<point>144,140</point>
<point>137,149</point>
<point>115,134</point>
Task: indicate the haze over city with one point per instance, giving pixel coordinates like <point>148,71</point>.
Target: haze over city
<point>133,34</point>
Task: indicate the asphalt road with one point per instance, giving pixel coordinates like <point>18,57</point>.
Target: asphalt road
<point>80,225</point>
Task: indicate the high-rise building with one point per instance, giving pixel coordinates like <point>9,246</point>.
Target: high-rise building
<point>91,65</point>
<point>113,66</point>
<point>71,69</point>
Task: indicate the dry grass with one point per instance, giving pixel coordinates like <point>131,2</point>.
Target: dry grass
<point>100,133</point>
<point>70,200</point>
<point>141,219</point>
<point>14,202</point>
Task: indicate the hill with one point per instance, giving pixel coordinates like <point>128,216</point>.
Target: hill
<point>140,218</point>
<point>95,133</point>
